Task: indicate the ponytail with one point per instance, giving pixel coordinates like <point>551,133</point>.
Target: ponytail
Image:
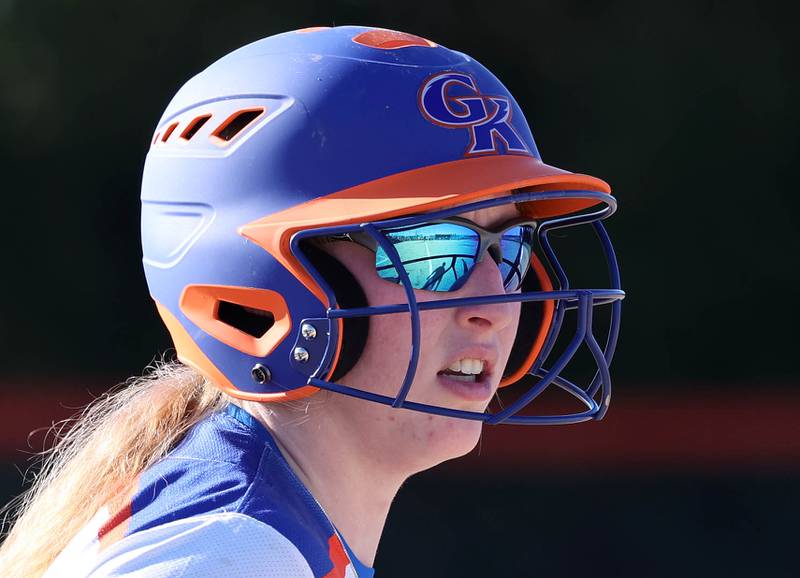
<point>97,455</point>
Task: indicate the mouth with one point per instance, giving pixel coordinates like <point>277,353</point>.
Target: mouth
<point>468,378</point>
<point>468,370</point>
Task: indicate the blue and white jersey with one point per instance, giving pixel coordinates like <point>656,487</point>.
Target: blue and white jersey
<point>223,503</point>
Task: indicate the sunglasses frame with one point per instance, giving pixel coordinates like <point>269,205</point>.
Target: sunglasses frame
<point>488,238</point>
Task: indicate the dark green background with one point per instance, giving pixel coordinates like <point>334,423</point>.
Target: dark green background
<point>687,108</point>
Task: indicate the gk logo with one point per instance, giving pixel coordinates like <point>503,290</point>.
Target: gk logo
<point>452,100</point>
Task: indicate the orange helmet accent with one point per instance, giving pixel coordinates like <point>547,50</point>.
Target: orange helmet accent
<point>200,303</point>
<point>190,354</point>
<point>391,39</point>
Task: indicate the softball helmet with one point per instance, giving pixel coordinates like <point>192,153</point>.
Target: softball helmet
<point>351,131</point>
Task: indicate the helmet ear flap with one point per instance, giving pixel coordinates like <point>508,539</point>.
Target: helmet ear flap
<point>349,294</point>
<point>530,323</point>
<point>535,320</point>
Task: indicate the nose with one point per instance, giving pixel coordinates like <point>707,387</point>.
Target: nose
<point>485,280</point>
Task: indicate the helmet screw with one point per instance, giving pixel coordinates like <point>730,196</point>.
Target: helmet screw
<point>260,373</point>
<point>300,354</point>
<point>308,331</point>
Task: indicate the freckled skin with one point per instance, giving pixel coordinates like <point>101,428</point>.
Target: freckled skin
<point>417,441</point>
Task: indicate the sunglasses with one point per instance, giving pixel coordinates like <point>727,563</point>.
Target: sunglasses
<point>440,255</point>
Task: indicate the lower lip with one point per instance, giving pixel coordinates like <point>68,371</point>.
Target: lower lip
<point>468,390</point>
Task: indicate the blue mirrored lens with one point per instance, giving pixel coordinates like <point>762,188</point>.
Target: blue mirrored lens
<point>441,256</point>
<point>515,246</point>
<point>436,257</point>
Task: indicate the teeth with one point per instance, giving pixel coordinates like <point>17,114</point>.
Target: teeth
<point>467,365</point>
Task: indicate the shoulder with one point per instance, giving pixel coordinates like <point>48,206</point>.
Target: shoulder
<point>227,479</point>
<point>230,544</point>
<point>212,470</point>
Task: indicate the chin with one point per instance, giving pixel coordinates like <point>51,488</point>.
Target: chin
<point>446,438</point>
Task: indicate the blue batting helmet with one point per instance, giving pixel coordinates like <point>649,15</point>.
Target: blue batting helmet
<point>325,131</point>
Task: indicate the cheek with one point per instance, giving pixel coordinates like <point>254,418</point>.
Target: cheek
<point>384,361</point>
<point>388,347</point>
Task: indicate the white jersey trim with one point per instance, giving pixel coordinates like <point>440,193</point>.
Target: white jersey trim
<point>229,545</point>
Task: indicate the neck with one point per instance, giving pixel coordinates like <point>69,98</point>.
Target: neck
<point>354,487</point>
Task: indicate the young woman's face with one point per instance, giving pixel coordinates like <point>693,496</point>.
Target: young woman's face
<point>479,334</point>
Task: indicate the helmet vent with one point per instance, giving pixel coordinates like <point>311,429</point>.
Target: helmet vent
<point>194,126</point>
<point>237,123</point>
<point>169,131</point>
<point>255,322</point>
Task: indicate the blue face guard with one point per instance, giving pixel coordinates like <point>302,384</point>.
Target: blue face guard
<point>594,396</point>
<point>440,255</point>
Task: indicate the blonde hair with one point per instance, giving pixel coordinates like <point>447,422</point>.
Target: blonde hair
<point>96,456</point>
